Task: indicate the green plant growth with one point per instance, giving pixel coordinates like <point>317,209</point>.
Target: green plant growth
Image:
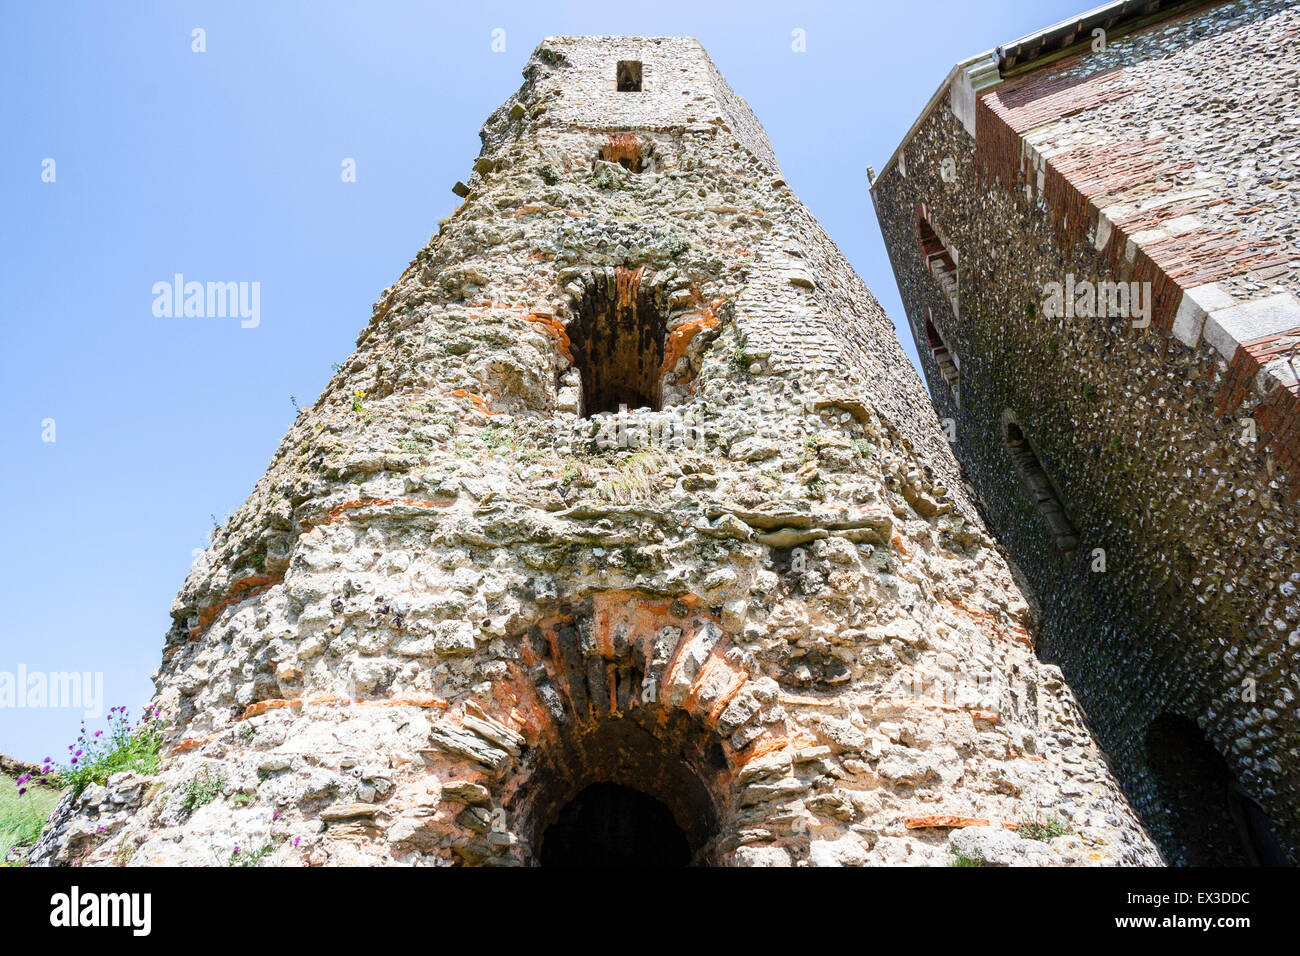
<point>123,746</point>
<point>740,360</point>
<point>416,445</point>
<point>22,816</point>
<point>202,788</point>
<point>495,436</point>
<point>961,859</point>
<point>637,478</point>
<point>1048,828</point>
<point>253,856</point>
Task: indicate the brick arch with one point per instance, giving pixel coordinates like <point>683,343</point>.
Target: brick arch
<point>636,690</point>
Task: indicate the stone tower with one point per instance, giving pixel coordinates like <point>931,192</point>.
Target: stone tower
<point>1135,440</point>
<point>627,533</point>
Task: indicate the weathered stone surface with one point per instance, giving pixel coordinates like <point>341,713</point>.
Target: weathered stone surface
<point>494,588</point>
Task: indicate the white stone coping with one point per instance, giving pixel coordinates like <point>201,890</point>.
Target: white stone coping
<point>1208,313</point>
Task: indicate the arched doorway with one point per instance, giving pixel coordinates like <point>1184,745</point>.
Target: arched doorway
<point>1206,819</point>
<point>624,791</point>
<point>637,707</point>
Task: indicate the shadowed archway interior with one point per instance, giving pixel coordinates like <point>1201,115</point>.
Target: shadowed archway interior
<point>1210,822</point>
<point>625,791</point>
<point>617,338</point>
<point>608,824</point>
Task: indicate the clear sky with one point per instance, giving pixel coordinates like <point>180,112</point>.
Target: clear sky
<point>226,165</point>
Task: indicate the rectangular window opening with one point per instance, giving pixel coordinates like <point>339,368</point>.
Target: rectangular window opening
<point>629,76</point>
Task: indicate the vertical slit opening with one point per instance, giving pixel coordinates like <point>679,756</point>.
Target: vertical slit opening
<point>946,360</point>
<point>939,256</point>
<point>1039,486</point>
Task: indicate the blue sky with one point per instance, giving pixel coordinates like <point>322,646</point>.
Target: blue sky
<point>225,166</point>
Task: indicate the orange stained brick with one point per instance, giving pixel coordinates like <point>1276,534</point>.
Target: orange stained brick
<point>495,307</point>
<point>478,401</point>
<point>771,743</point>
<point>946,821</point>
<point>337,513</point>
<point>708,669</point>
<point>785,698</point>
<point>1013,631</point>
<point>190,743</point>
<point>897,542</point>
<point>738,679</point>
<point>621,146</point>
<point>328,700</point>
<point>680,339</point>
<point>533,715</point>
<point>240,591</point>
<point>603,641</point>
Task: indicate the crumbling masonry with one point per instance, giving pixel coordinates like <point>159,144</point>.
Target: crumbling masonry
<point>627,534</point>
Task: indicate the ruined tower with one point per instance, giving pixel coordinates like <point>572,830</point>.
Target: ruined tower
<point>627,534</point>
<point>1095,240</point>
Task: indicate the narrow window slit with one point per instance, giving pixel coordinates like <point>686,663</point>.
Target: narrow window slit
<point>1039,487</point>
<point>939,256</point>
<point>945,359</point>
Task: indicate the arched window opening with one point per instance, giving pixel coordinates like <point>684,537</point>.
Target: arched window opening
<point>1205,819</point>
<point>617,337</point>
<point>939,255</point>
<point>946,360</point>
<point>1039,486</point>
